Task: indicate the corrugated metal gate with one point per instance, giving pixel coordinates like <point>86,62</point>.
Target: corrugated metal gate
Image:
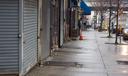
<point>30,34</point>
<point>9,25</point>
<point>55,19</point>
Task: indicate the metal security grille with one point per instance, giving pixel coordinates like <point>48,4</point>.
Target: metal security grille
<point>9,25</point>
<point>54,33</point>
<point>30,34</point>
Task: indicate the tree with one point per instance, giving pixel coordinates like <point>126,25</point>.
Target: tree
<point>110,14</point>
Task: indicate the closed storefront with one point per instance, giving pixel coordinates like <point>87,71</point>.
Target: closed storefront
<point>66,20</point>
<point>54,23</point>
<point>73,20</point>
<point>45,30</point>
<point>29,34</point>
<point>74,30</point>
<point>9,41</point>
<point>18,36</point>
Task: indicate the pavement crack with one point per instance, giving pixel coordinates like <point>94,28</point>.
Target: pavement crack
<point>98,47</point>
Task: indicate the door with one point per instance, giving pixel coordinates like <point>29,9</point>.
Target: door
<point>9,41</point>
<point>30,34</point>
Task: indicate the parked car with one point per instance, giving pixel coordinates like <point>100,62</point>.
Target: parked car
<point>125,33</point>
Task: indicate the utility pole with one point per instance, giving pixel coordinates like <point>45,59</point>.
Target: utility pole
<point>116,41</point>
<point>110,14</point>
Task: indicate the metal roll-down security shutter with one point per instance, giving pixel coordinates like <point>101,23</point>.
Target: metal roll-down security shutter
<point>54,27</point>
<point>30,34</point>
<point>9,41</point>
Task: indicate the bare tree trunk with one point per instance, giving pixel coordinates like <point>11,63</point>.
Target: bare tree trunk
<point>110,19</point>
<point>101,24</point>
<point>116,41</point>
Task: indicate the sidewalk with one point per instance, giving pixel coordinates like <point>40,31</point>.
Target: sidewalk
<point>89,57</point>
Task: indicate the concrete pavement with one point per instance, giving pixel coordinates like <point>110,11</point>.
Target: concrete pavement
<point>89,57</point>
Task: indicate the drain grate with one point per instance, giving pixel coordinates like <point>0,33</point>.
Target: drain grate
<point>122,44</point>
<point>116,44</point>
<point>109,43</point>
<point>58,63</point>
<point>107,37</point>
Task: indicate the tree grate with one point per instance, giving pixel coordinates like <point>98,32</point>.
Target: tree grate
<point>122,62</point>
<point>58,63</point>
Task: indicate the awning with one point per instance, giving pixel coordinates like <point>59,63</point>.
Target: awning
<point>85,8</point>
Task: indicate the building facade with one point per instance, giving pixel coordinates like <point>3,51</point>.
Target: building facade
<point>29,32</point>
